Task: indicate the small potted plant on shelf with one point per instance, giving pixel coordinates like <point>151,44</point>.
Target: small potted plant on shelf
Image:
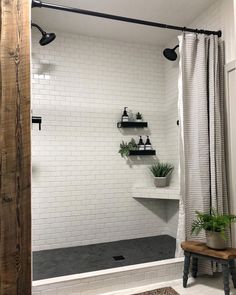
<point>139,117</point>
<point>161,173</point>
<point>125,148</point>
<point>215,226</point>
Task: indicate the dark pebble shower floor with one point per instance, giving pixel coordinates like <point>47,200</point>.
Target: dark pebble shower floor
<point>74,260</point>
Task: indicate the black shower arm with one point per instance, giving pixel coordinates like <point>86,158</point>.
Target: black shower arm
<point>40,4</point>
<point>38,27</point>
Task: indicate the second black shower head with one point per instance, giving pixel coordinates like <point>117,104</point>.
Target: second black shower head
<point>170,53</point>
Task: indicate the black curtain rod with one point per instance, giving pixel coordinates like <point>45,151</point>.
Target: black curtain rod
<point>40,4</point>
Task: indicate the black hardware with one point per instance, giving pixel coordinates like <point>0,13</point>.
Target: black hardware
<point>132,124</point>
<point>37,120</point>
<point>117,258</point>
<point>170,53</point>
<point>36,3</point>
<point>38,27</point>
<point>142,153</point>
<point>40,4</point>
<point>177,122</point>
<point>46,37</point>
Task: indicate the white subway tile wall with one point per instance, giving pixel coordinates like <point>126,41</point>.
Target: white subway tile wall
<point>82,188</point>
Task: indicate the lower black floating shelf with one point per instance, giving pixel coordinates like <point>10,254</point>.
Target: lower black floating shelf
<point>132,124</point>
<point>142,153</point>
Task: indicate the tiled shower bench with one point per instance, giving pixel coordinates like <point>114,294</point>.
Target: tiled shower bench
<point>196,250</point>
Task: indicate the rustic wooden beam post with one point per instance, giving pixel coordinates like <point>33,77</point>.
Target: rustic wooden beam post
<point>15,163</point>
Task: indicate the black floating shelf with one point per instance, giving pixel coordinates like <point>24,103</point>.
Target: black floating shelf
<point>142,153</point>
<point>132,124</point>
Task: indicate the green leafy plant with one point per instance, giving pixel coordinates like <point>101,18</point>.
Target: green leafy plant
<point>212,221</point>
<point>139,116</point>
<point>161,169</point>
<point>126,147</point>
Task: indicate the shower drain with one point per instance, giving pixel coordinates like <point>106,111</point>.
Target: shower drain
<point>119,257</point>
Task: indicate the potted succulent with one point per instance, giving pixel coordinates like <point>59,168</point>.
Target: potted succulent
<point>139,117</point>
<point>161,173</point>
<point>125,147</point>
<point>215,226</point>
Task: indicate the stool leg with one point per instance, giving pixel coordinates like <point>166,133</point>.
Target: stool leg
<point>226,278</point>
<point>233,271</point>
<point>194,267</point>
<point>186,268</point>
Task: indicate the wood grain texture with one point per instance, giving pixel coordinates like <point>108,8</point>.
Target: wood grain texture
<point>15,164</point>
<point>202,249</point>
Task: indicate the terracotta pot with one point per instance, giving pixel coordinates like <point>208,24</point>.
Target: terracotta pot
<point>215,240</point>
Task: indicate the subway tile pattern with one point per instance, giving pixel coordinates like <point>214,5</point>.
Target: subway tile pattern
<point>81,187</point>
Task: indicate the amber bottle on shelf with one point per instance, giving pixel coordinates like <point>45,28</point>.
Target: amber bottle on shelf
<point>125,117</point>
<point>148,145</point>
<point>140,144</point>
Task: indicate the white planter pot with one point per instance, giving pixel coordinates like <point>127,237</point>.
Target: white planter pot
<point>215,240</point>
<point>160,181</point>
<point>138,120</point>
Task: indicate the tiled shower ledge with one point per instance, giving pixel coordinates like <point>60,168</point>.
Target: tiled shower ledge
<point>168,193</point>
<point>110,280</point>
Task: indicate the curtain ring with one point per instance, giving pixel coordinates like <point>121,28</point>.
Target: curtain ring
<point>183,31</point>
<point>197,32</point>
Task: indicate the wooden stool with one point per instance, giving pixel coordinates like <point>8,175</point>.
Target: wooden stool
<point>197,250</point>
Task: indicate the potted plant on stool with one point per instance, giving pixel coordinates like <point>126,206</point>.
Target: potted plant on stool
<point>215,226</point>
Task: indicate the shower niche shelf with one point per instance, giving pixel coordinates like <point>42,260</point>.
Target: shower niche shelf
<point>166,193</point>
<point>142,153</point>
<point>132,124</point>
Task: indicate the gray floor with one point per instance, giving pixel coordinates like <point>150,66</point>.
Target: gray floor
<point>67,261</point>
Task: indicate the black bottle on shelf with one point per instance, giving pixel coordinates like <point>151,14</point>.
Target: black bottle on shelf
<point>148,145</point>
<point>125,117</point>
<point>140,144</point>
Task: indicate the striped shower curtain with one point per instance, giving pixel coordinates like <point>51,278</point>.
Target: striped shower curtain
<point>201,109</point>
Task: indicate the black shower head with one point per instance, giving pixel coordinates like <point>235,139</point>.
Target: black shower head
<point>170,53</point>
<point>46,37</point>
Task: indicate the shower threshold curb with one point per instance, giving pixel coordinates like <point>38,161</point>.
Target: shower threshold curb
<point>105,272</point>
